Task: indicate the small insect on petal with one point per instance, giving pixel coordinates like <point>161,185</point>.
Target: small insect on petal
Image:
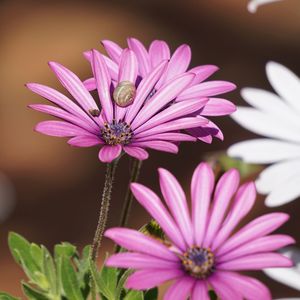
<point>124,93</point>
<point>94,112</point>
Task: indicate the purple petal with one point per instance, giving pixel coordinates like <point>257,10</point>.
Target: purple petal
<point>158,51</point>
<point>170,136</point>
<point>60,113</point>
<point>243,202</point>
<point>147,279</point>
<point>136,152</point>
<point>256,262</point>
<point>85,141</point>
<point>60,129</point>
<point>259,227</point>
<point>140,261</point>
<point>201,134</point>
<point>150,201</point>
<point>201,189</point>
<point>113,50</point>
<point>128,66</point>
<point>202,73</point>
<point>134,240</point>
<point>108,153</point>
<point>180,289</point>
<point>162,97</point>
<point>206,89</point>
<point>218,107</point>
<point>158,145</point>
<point>225,189</point>
<point>103,82</point>
<point>90,84</point>
<point>174,111</point>
<point>141,54</point>
<point>250,288</point>
<point>263,244</point>
<point>176,201</point>
<point>74,86</point>
<point>200,291</point>
<point>144,89</point>
<point>174,125</point>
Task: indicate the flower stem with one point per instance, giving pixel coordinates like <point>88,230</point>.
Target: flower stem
<point>134,175</point>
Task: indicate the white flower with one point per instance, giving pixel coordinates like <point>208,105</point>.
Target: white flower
<point>254,4</point>
<point>278,119</point>
<point>288,276</point>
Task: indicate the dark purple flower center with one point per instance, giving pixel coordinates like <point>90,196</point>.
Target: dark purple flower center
<point>116,133</point>
<point>198,262</point>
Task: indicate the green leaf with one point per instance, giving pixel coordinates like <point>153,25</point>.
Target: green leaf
<point>5,296</point>
<point>213,295</point>
<point>37,254</point>
<point>134,295</point>
<point>151,294</point>
<point>32,293</point>
<point>69,280</point>
<point>121,283</point>
<point>65,249</point>
<point>49,270</point>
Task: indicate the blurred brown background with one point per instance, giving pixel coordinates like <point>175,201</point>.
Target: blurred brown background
<point>56,187</point>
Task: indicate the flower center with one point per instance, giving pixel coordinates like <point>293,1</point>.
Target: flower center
<point>116,133</point>
<point>198,262</point>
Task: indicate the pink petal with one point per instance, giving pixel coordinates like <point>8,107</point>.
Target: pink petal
<point>170,136</point>
<point>206,89</point>
<point>74,86</point>
<point>202,73</point>
<point>180,289</point>
<point>103,82</point>
<point>249,287</point>
<point>60,129</point>
<point>173,112</point>
<point>147,279</point>
<point>201,189</point>
<point>158,145</point>
<point>158,51</point>
<point>85,141</point>
<point>243,202</point>
<point>113,50</point>
<point>176,201</point>
<point>259,227</point>
<point>134,240</point>
<point>218,107</point>
<point>222,289</point>
<point>214,130</point>
<point>162,97</point>
<point>150,201</point>
<point>182,123</point>
<point>141,54</point>
<point>263,244</point>
<point>201,134</point>
<point>60,113</point>
<point>140,261</point>
<point>200,291</point>
<point>136,152</point>
<point>144,89</point>
<point>90,84</point>
<point>108,153</point>
<point>256,262</point>
<point>128,66</point>
<point>225,189</point>
<point>61,100</point>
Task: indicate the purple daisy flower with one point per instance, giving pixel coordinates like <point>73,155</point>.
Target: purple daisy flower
<point>204,251</point>
<point>178,64</point>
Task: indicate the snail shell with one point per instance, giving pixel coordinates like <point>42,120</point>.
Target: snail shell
<point>124,93</point>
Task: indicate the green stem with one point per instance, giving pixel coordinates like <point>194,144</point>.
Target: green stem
<point>134,175</point>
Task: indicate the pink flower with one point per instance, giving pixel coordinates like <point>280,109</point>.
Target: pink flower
<point>178,65</point>
<point>203,250</point>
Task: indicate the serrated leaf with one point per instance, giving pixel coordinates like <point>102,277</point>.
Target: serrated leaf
<point>134,295</point>
<point>121,283</point>
<point>49,270</point>
<point>32,293</point>
<point>69,280</point>
<point>151,294</point>
<point>5,296</point>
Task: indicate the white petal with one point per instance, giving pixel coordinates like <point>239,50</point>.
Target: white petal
<point>277,175</point>
<point>264,151</point>
<point>288,276</point>
<point>267,125</point>
<point>285,83</point>
<point>254,4</point>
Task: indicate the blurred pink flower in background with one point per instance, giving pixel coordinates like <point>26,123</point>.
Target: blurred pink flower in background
<point>202,250</point>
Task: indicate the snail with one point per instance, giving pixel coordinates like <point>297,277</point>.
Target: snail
<point>124,93</point>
